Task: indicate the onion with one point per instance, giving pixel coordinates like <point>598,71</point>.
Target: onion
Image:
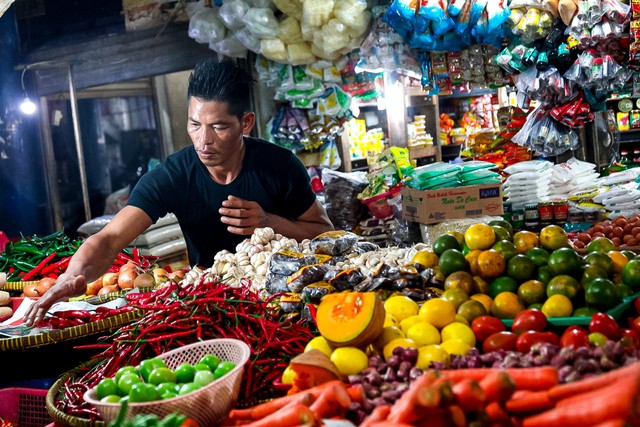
<point>31,291</point>
<point>108,289</point>
<point>45,284</point>
<point>126,279</point>
<point>393,361</point>
<point>109,279</point>
<point>94,287</point>
<point>144,280</point>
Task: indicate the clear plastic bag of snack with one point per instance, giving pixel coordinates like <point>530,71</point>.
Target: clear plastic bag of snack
<point>230,46</point>
<point>232,13</point>
<point>205,26</point>
<point>261,22</point>
<point>316,13</point>
<point>289,30</point>
<point>290,7</point>
<point>249,41</point>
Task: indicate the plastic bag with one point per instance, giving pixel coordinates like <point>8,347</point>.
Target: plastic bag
<point>205,26</point>
<point>261,22</point>
<point>232,13</point>
<point>249,41</point>
<point>230,46</point>
<point>341,189</point>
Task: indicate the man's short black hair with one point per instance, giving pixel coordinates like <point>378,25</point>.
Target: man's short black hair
<point>222,81</point>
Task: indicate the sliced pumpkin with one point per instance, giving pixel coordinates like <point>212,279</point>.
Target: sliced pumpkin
<point>350,318</point>
<point>311,369</point>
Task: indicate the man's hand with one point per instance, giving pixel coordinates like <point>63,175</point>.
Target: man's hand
<point>242,216</point>
<point>65,287</point>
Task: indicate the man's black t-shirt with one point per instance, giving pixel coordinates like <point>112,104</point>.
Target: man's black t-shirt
<point>271,176</point>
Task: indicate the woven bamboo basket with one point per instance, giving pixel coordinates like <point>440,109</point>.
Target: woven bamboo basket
<point>55,393</point>
<point>61,335</point>
<point>18,286</point>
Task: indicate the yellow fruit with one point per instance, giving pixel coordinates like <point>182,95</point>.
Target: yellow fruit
<point>472,309</point>
<point>461,319</point>
<point>484,299</point>
<point>460,279</point>
<point>438,312</point>
<point>401,307</point>
<point>409,322</point>
<point>389,320</point>
<point>472,259</point>
<point>456,295</point>
<point>459,331</point>
<point>458,235</point>
<point>479,236</point>
<point>398,342</point>
<point>425,258</point>
<point>319,343</point>
<point>480,286</point>
<point>525,240</point>
<point>423,334</point>
<point>491,264</point>
<point>506,305</point>
<point>557,306</point>
<point>553,237</point>
<point>288,375</point>
<point>349,360</point>
<point>432,353</point>
<point>387,335</point>
<point>619,261</point>
<point>456,346</point>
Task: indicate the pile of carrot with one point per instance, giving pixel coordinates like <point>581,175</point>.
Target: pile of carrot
<point>522,397</point>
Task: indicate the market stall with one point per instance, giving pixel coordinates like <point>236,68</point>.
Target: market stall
<point>517,302</point>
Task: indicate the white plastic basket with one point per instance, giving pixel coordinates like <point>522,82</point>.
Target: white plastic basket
<point>208,405</point>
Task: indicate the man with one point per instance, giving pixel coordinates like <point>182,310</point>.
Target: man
<point>221,189</point>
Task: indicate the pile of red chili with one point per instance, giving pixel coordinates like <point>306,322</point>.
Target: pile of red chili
<point>70,318</point>
<point>175,316</point>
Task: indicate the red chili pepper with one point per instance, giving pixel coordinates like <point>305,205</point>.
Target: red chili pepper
<point>39,267</point>
<point>136,256</point>
<point>61,264</point>
<point>74,314</point>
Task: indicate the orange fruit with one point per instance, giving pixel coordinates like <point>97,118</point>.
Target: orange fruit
<point>425,258</point>
<point>491,264</point>
<point>532,292</point>
<point>553,237</point>
<point>458,235</point>
<point>484,299</point>
<point>506,305</point>
<point>479,236</point>
<point>619,260</point>
<point>480,286</point>
<point>557,306</point>
<point>563,285</point>
<point>472,259</point>
<point>460,279</point>
<point>525,240</point>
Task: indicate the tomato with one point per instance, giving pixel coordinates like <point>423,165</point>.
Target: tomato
<point>126,383</point>
<point>202,378</point>
<point>143,392</point>
<point>500,341</point>
<point>148,365</point>
<point>574,337</point>
<point>636,304</point>
<point>485,326</point>
<point>166,388</point>
<point>211,361</point>
<point>106,387</point>
<point>202,367</point>
<point>630,338</point>
<point>162,375</point>
<point>634,324</point>
<point>223,368</point>
<point>125,370</point>
<point>185,373</point>
<point>605,324</point>
<point>528,339</point>
<point>529,320</point>
<point>188,388</point>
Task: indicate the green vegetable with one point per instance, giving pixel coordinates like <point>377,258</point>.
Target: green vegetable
<point>146,420</point>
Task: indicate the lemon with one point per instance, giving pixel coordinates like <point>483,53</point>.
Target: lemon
<point>398,342</point>
<point>432,353</point>
<point>389,320</point>
<point>438,312</point>
<point>288,375</point>
<point>480,236</point>
<point>461,319</point>
<point>387,335</point>
<point>425,258</point>
<point>456,346</point>
<point>458,235</point>
<point>349,360</point>
<point>506,305</point>
<point>423,334</point>
<point>409,322</point>
<point>319,343</point>
<point>401,307</point>
<point>484,299</point>
<point>459,331</point>
<point>557,306</point>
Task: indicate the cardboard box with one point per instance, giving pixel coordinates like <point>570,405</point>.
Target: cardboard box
<point>432,206</point>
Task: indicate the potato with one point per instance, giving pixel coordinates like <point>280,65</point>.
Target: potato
<point>6,312</point>
<point>5,298</point>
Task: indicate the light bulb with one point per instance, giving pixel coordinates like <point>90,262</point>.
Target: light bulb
<point>27,106</point>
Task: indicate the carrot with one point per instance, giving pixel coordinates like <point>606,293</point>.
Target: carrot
<point>260,411</point>
<point>498,386</point>
<point>535,401</point>
<point>289,416</point>
<point>390,424</point>
<point>379,413</point>
<point>469,395</point>
<point>565,390</point>
<point>456,415</point>
<point>333,401</point>
<point>591,411</point>
<point>519,394</point>
<point>538,378</point>
<point>437,418</point>
<point>356,393</point>
<point>608,390</point>
<point>496,413</point>
<point>404,409</point>
<point>618,422</point>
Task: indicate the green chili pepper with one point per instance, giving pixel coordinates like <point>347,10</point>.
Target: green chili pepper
<point>25,248</point>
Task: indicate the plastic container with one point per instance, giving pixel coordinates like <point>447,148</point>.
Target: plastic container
<point>379,205</point>
<point>24,406</point>
<point>208,405</point>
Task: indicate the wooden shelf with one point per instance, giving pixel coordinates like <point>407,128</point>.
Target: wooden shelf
<point>419,152</point>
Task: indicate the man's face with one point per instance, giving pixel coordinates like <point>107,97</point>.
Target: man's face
<point>216,134</point>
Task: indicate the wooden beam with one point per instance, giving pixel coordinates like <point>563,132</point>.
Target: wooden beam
<point>115,58</point>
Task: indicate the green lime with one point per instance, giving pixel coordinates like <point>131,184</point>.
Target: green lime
<point>601,294</point>
<point>521,268</point>
<point>544,274</point>
<point>444,242</point>
<point>584,312</point>
<point>631,274</point>
<point>185,373</point>
<point>506,248</point>
<point>564,261</point>
<point>502,284</point>
<point>452,260</point>
<point>504,224</point>
<point>600,244</point>
<point>622,291</point>
<point>592,271</point>
<point>501,233</point>
<point>532,292</point>
<point>539,256</point>
<point>536,306</point>
<point>563,285</point>
<point>601,260</point>
<point>106,387</point>
<point>112,398</point>
<point>223,368</point>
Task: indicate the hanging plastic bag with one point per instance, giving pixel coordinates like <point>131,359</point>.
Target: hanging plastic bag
<point>232,13</point>
<point>205,26</point>
<point>262,23</point>
<point>230,47</point>
<point>249,41</point>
